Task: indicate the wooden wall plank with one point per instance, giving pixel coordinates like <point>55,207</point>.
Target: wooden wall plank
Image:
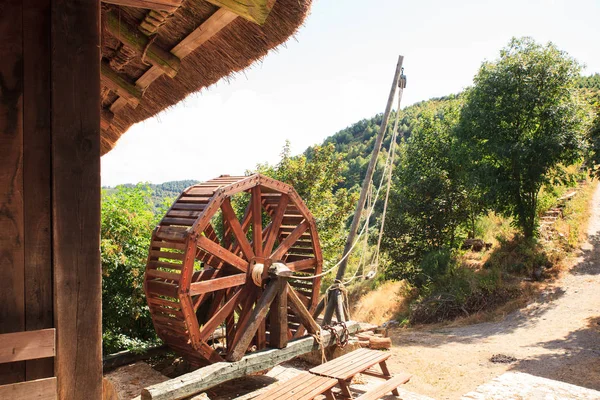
<point>27,345</point>
<point>12,308</point>
<point>37,188</point>
<point>75,26</point>
<point>41,389</point>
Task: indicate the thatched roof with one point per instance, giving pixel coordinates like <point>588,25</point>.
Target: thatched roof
<point>135,86</point>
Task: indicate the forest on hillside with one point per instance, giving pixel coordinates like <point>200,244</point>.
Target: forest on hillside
<point>467,165</point>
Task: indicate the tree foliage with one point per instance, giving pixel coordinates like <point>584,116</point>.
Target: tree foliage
<point>521,120</point>
<point>127,222</point>
<point>316,179</point>
<point>430,200</point>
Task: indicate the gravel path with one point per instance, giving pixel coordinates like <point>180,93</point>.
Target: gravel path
<point>555,337</point>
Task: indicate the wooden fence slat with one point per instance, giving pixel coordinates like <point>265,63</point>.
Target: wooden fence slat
<point>29,345</point>
<point>41,389</point>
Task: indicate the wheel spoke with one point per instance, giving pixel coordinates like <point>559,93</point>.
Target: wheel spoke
<point>301,265</point>
<point>301,311</point>
<point>257,232</point>
<point>213,285</point>
<point>276,224</point>
<point>236,228</point>
<point>222,253</point>
<point>220,316</point>
<point>290,240</point>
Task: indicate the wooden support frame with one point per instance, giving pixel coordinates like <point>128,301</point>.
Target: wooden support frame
<point>75,150</point>
<point>255,11</point>
<point>213,25</point>
<point>131,36</point>
<point>118,84</point>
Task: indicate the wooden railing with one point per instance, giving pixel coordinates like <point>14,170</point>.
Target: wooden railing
<point>23,346</point>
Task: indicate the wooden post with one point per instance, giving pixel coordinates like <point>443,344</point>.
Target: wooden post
<point>12,264</point>
<point>37,176</point>
<point>75,37</point>
<point>278,317</point>
<point>332,300</point>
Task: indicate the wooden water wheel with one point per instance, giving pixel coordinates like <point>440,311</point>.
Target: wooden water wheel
<point>211,269</point>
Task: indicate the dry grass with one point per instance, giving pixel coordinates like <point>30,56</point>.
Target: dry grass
<point>382,304</point>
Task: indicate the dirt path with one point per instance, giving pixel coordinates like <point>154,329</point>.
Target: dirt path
<point>556,337</point>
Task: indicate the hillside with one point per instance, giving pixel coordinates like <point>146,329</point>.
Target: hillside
<point>161,191</point>
<point>357,140</point>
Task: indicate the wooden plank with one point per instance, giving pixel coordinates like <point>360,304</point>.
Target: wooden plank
<point>41,389</point>
<point>236,228</point>
<point>386,387</point>
<point>166,61</point>
<point>159,5</point>
<point>301,311</point>
<point>275,224</point>
<point>301,387</point>
<point>204,378</point>
<point>289,241</point>
<point>257,236</point>
<point>301,265</point>
<point>120,85</point>
<point>209,327</point>
<point>37,188</point>
<point>12,270</point>
<point>222,253</point>
<point>28,345</point>
<point>255,11</point>
<point>212,285</point>
<point>75,36</point>
<point>278,318</point>
<point>252,324</point>
<point>213,25</point>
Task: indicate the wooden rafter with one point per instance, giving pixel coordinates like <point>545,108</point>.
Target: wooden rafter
<point>213,25</point>
<point>255,11</point>
<point>166,61</point>
<point>118,84</point>
<point>161,5</point>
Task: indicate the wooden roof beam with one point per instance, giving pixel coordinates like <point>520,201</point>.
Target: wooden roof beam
<point>167,62</point>
<point>255,11</point>
<point>209,28</point>
<point>159,5</point>
<point>115,82</point>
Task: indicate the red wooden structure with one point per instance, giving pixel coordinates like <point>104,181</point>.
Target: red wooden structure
<point>209,266</point>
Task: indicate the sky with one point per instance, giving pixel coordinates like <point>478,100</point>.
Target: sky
<point>336,71</point>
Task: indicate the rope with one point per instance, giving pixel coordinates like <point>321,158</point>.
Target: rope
<point>388,165</point>
<point>256,274</point>
<point>389,182</point>
<point>319,340</point>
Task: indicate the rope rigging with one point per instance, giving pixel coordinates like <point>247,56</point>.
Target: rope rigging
<point>371,203</point>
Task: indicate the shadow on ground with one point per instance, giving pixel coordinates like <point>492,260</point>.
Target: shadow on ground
<point>575,360</point>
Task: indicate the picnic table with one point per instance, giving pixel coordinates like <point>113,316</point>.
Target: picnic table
<point>340,371</point>
<point>344,368</point>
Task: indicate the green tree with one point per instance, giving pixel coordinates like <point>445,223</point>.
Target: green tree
<point>429,201</point>
<point>127,223</point>
<point>315,178</point>
<point>520,121</point>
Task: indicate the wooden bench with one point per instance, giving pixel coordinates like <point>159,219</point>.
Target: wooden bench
<point>390,385</point>
<point>23,346</point>
<point>344,368</point>
<point>305,386</point>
